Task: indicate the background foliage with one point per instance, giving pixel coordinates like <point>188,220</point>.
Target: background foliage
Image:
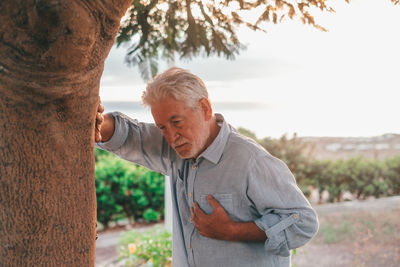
<point>125,190</point>
<point>362,177</point>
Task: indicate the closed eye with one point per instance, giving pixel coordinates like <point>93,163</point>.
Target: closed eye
<point>177,122</point>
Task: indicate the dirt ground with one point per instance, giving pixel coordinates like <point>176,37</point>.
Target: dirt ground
<point>351,234</point>
<point>354,234</point>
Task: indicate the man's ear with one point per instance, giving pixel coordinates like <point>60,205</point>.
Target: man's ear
<point>205,107</point>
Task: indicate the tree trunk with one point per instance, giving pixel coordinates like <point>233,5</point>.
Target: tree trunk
<point>52,55</point>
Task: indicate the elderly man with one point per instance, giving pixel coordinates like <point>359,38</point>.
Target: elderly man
<point>234,204</point>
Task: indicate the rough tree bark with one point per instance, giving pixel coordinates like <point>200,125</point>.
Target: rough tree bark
<point>52,54</point>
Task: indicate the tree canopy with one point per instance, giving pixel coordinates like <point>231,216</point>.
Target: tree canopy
<point>163,29</point>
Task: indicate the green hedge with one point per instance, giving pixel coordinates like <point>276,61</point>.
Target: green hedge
<point>126,190</point>
<point>392,174</point>
<point>361,176</point>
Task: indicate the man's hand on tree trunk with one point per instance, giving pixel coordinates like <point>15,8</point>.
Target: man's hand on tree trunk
<point>104,128</point>
<point>99,122</point>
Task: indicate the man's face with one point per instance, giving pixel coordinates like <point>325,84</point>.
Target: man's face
<point>184,128</point>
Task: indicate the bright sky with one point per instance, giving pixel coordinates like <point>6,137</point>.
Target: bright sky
<point>338,83</point>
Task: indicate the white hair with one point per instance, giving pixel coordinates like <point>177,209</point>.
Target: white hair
<point>177,83</point>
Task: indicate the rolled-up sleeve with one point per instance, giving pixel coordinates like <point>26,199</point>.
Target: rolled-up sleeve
<point>285,215</point>
<point>138,142</point>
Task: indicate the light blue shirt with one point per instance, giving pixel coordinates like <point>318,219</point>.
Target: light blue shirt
<point>247,181</point>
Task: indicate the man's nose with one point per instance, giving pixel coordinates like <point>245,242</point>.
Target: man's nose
<point>171,135</point>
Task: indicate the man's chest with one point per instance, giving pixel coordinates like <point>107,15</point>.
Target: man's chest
<point>227,183</point>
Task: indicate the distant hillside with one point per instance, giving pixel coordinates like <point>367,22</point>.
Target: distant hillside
<point>379,147</point>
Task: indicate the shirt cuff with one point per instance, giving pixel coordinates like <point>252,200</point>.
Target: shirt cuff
<point>119,136</point>
<point>274,225</point>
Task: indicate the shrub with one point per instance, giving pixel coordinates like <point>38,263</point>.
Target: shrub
<point>317,174</point>
<point>108,173</point>
<point>293,151</point>
<point>392,174</point>
<point>151,215</point>
<point>127,190</point>
<point>367,177</point>
<point>150,248</point>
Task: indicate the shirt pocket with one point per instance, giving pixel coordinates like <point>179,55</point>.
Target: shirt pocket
<point>225,200</point>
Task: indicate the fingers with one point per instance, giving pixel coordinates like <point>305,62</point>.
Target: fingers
<point>196,213</point>
<point>97,132</point>
<point>97,136</point>
<point>213,202</point>
<point>198,210</point>
<point>100,108</point>
<point>99,114</point>
<point>99,121</point>
<point>99,118</point>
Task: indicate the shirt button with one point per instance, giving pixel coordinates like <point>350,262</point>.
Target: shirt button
<point>194,166</point>
<point>190,194</point>
<point>295,216</point>
<point>188,246</point>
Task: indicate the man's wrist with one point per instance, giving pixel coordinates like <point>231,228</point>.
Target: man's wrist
<point>245,231</point>
<point>233,231</point>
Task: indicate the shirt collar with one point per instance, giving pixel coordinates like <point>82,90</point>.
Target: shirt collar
<point>214,151</point>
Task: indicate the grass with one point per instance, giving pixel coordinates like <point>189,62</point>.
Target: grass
<point>335,232</point>
<point>359,226</point>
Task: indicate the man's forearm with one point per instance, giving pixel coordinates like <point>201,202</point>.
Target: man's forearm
<point>107,127</point>
<point>246,231</point>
